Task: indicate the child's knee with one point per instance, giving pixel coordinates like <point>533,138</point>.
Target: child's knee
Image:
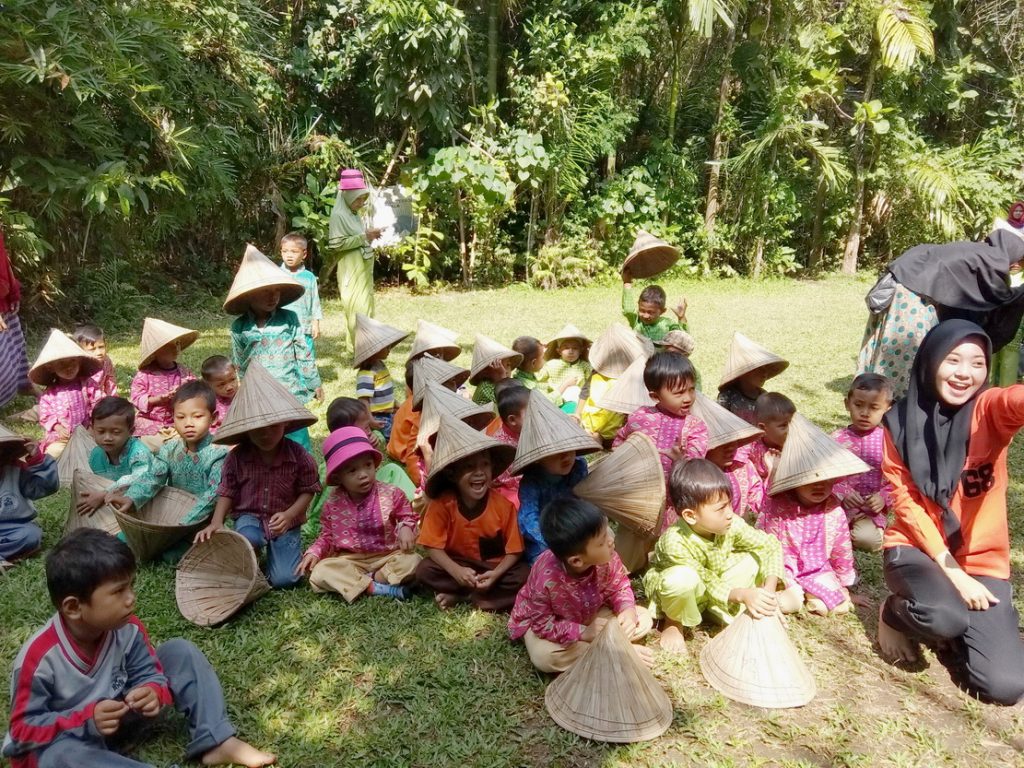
<point>178,654</point>
<point>679,581</point>
<point>866,537</point>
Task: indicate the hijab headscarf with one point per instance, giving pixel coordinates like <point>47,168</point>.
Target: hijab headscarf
<point>931,437</point>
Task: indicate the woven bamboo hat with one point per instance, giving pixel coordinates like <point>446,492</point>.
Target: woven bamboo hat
<point>570,331</point>
<point>724,426</point>
<point>158,526</point>
<point>609,695</point>
<point>547,431</point>
<point>628,485</point>
<point>614,350</point>
<point>372,336</point>
<point>255,273</point>
<point>810,456</point>
<point>103,518</point>
<point>456,440</point>
<point>746,356</point>
<point>438,341</point>
<point>649,256</point>
<point>753,661</point>
<point>629,392</point>
<point>261,401</point>
<point>60,347</point>
<point>486,351</point>
<point>440,401</point>
<point>217,578</point>
<point>429,368</point>
<point>680,340</point>
<point>75,455</point>
<point>157,334</point>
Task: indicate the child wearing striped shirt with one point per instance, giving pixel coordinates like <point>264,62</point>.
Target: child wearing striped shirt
<point>375,387</point>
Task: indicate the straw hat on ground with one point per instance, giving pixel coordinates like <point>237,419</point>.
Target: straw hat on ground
<point>75,455</point>
<point>456,441</point>
<point>614,350</point>
<point>570,331</point>
<point>628,485</point>
<point>60,347</point>
<point>649,256</point>
<point>754,662</point>
<point>157,334</point>
<point>157,527</point>
<point>679,340</point>
<point>217,577</point>
<point>103,518</point>
<point>486,351</point>
<point>440,401</point>
<point>810,456</point>
<point>609,695</point>
<point>547,431</point>
<point>438,341</point>
<point>261,401</point>
<point>629,392</point>
<point>255,273</point>
<point>372,336</point>
<point>429,368</point>
<point>724,426</point>
<point>746,356</point>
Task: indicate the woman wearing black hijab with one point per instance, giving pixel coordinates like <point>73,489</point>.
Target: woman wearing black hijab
<point>947,551</point>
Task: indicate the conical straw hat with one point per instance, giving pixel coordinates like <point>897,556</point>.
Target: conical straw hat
<point>440,401</point>
<point>75,455</point>
<point>628,485</point>
<point>629,392</point>
<point>486,351</point>
<point>438,341</point>
<point>745,356</point>
<point>810,456</point>
<point>60,347</point>
<point>158,333</point>
<point>649,256</point>
<point>261,401</point>
<point>372,336</point>
<point>614,350</point>
<point>569,331</point>
<point>255,273</point>
<point>752,661</point>
<point>547,431</point>
<point>157,527</point>
<point>724,426</point>
<point>455,441</point>
<point>217,577</point>
<point>103,518</point>
<point>429,368</point>
<point>609,695</point>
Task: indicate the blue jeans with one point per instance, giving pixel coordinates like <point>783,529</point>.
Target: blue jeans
<point>283,552</point>
<point>386,420</point>
<point>19,538</point>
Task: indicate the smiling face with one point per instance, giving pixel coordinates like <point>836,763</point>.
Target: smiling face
<point>192,419</point>
<point>676,398</point>
<point>648,312</point>
<point>111,434</point>
<point>814,493</point>
<point>712,518</point>
<point>357,476</point>
<point>472,477</point>
<point>66,370</point>
<point>961,373</point>
<point>867,408</point>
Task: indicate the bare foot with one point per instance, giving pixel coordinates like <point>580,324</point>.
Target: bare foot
<point>672,641</point>
<point>843,608</point>
<point>646,655</point>
<point>815,606</point>
<point>896,647</point>
<point>237,752</point>
<point>862,600</point>
<point>446,600</point>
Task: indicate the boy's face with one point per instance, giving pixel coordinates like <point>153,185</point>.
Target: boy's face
<point>712,518</point>
<point>559,463</point>
<point>514,422</point>
<point>472,476</point>
<point>722,456</point>
<point>381,356</point>
<point>265,301</point>
<point>67,370</point>
<point>648,312</point>
<point>775,430</point>
<point>357,476</point>
<point>167,355</point>
<point>570,350</point>
<point>293,253</point>
<point>751,383</point>
<point>866,408</point>
<point>225,384</point>
<point>111,434</point>
<point>815,493</point>
<point>109,606</point>
<point>192,419</point>
<point>598,551</point>
<point>677,398</point>
<point>267,439</point>
<point>363,422</point>
<point>97,349</point>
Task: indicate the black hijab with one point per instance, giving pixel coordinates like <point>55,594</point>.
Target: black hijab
<point>932,438</point>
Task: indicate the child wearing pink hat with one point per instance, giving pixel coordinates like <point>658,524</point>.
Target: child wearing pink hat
<point>367,528</point>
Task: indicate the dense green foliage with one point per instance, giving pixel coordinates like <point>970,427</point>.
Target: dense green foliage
<point>762,137</point>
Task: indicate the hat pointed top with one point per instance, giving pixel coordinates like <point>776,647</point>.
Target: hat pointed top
<point>440,401</point>
<point>811,456</point>
<point>745,356</point>
<point>438,341</point>
<point>429,368</point>
<point>486,351</point>
<point>628,393</point>
<point>615,349</point>
<point>547,431</point>
<point>157,334</point>
<point>261,401</point>
<point>58,347</point>
<point>255,273</point>
<point>724,426</point>
<point>372,336</point>
<point>628,485</point>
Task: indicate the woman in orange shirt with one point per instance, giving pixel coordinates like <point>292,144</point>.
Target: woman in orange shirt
<point>947,551</point>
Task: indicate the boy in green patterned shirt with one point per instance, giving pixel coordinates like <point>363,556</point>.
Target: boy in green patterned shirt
<point>646,317</point>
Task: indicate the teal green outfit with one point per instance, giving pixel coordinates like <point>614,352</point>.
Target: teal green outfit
<point>351,252</point>
<point>130,475</point>
<point>198,473</point>
<point>657,330</point>
<point>307,307</point>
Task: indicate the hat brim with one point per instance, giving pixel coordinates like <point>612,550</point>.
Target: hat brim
<point>185,340</point>
<point>474,373</point>
<point>240,429</point>
<point>239,305</point>
<point>773,370</point>
<point>652,261</point>
<point>44,376</point>
<point>501,458</point>
<point>459,379</point>
<point>446,352</point>
<point>551,348</point>
<point>333,464</point>
<point>381,345</point>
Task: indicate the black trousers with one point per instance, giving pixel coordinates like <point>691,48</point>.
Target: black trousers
<point>982,650</point>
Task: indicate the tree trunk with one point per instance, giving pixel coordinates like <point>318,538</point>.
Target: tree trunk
<point>493,19</point>
<point>817,253</point>
<point>467,277</point>
<point>717,138</point>
<point>676,83</point>
<point>852,247</point>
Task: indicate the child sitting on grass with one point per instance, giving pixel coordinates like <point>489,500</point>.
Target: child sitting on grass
<point>222,376</point>
<point>405,429</point>
<point>90,338</point>
<point>26,474</point>
<point>159,376</point>
<point>646,317</point>
<point>473,545</point>
<point>575,586</point>
<point>66,370</point>
<point>349,412</point>
<point>513,398</point>
<point>374,386</point>
<point>773,414</point>
<point>747,367</point>
<point>492,362</point>
<point>307,307</point>
<point>532,351</point>
<point>368,531</point>
<point>728,438</point>
<point>119,456</point>
<point>91,674</point>
<point>710,562</point>
<point>567,368</point>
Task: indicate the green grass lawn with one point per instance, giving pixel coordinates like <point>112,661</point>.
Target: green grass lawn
<point>380,683</point>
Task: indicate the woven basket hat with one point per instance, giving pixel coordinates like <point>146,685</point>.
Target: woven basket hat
<point>570,331</point>
<point>103,518</point>
<point>680,340</point>
<point>746,356</point>
<point>261,401</point>
<point>441,401</point>
<point>609,695</point>
<point>255,273</point>
<point>158,526</point>
<point>372,336</point>
<point>75,455</point>
<point>724,426</point>
<point>157,334</point>
<point>547,431</point>
<point>629,392</point>
<point>628,485</point>
<point>810,456</point>
<point>753,661</point>
<point>649,256</point>
<point>614,350</point>
<point>455,441</point>
<point>60,347</point>
<point>217,578</point>
<point>486,351</point>
<point>429,368</point>
<point>438,341</point>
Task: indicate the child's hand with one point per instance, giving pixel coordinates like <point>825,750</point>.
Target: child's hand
<point>306,564</point>
<point>874,503</point>
<point>62,432</point>
<point>319,394</point>
<point>373,233</point>
<point>760,603</point>
<point>315,330</point>
<point>279,523</point>
<point>771,456</point>
<point>675,453</point>
<point>593,630</point>
<point>89,502</point>
<point>628,621</point>
<point>374,424</point>
<point>680,310</point>
<point>168,433</point>
<point>486,580</point>
<point>206,533</point>
<point>465,576</point>
<point>852,501</point>
<point>143,700</point>
<point>107,715</point>
<point>407,538</point>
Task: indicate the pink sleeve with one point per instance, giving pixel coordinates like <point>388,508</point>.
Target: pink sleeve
<point>49,410</point>
<point>618,592</point>
<point>755,492</point>
<point>624,431</point>
<point>535,611</point>
<point>841,556</point>
<point>402,510</point>
<point>774,525</point>
<point>139,394</point>
<point>696,438</point>
<point>324,546</point>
